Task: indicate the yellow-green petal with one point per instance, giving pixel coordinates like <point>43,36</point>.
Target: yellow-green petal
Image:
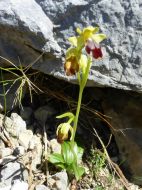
<point>78,30</point>
<point>63,128</point>
<point>91,29</point>
<point>83,63</point>
<point>73,41</point>
<point>98,37</point>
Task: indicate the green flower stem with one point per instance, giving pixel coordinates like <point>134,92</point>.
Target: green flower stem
<point>82,84</point>
<point>85,76</point>
<point>77,111</point>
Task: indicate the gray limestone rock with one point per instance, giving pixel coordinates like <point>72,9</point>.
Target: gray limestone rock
<point>12,171</point>
<point>14,125</point>
<point>25,138</point>
<point>125,112</point>
<point>29,28</point>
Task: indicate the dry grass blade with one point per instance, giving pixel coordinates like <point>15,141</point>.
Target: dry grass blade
<point>22,78</point>
<point>30,65</point>
<point>113,165</point>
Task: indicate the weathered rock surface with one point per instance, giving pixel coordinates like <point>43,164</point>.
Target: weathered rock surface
<point>12,171</point>
<point>14,125</point>
<point>125,112</point>
<point>18,184</point>
<point>25,138</point>
<point>29,28</point>
<point>59,181</point>
<point>5,152</point>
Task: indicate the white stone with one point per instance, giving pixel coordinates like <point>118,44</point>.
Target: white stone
<point>24,138</point>
<point>5,152</point>
<point>19,185</point>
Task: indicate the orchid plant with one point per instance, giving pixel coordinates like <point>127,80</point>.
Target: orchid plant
<point>84,48</point>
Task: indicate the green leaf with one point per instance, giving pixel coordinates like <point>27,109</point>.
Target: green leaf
<point>78,171</point>
<point>61,165</point>
<point>78,152</point>
<point>56,158</point>
<point>67,153</point>
<point>70,169</point>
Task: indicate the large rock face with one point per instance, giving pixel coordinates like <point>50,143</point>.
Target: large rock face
<point>29,28</point>
<point>126,118</point>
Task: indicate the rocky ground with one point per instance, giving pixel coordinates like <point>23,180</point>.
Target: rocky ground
<point>22,162</point>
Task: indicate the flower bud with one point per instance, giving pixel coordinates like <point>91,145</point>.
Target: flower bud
<point>63,132</point>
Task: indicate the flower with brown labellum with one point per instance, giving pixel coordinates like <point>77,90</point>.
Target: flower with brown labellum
<point>71,66</point>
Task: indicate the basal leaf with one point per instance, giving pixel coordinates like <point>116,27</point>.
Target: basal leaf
<point>78,171</point>
<point>56,158</point>
<point>67,153</point>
